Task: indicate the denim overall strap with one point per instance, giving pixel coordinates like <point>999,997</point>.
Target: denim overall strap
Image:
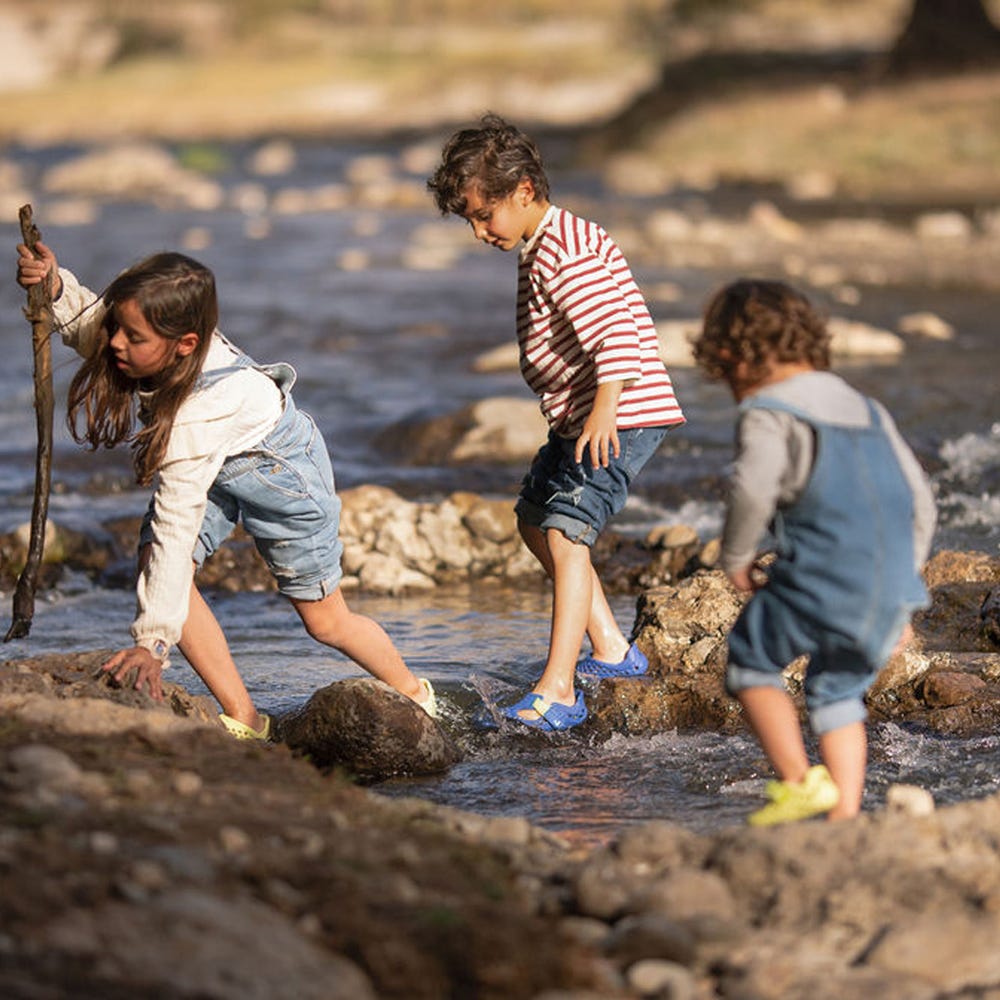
<point>282,374</point>
<point>845,546</point>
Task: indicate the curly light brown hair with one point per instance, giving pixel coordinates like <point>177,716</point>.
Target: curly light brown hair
<point>495,157</point>
<point>757,323</point>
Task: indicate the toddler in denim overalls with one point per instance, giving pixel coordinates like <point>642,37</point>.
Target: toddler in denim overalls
<point>852,517</point>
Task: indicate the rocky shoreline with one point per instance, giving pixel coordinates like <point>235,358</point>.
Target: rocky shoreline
<point>143,852</point>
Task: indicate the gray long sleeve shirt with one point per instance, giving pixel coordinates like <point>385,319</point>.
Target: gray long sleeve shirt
<point>774,459</point>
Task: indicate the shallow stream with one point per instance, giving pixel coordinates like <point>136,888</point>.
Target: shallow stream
<point>385,341</point>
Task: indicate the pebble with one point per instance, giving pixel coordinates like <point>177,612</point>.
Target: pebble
<point>187,783</point>
<point>664,980</point>
<point>234,840</point>
<point>910,800</point>
<point>37,764</point>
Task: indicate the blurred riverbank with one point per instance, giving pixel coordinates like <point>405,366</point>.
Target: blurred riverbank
<point>678,94</point>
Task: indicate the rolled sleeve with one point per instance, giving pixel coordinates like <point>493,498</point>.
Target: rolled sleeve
<point>79,315</point>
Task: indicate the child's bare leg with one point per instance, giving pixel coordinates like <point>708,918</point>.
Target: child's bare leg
<point>331,622</point>
<point>571,606</point>
<point>204,646</point>
<point>606,638</point>
<point>845,752</point>
<point>772,715</point>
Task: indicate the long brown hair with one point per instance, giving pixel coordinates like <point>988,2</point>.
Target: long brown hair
<point>176,295</point>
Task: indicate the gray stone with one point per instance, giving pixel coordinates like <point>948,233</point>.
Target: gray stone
<point>233,949</point>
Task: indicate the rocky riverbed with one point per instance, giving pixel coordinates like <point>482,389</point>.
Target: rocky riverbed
<point>144,852</point>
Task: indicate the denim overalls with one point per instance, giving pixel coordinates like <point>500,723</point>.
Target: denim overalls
<point>844,583</point>
<point>283,490</point>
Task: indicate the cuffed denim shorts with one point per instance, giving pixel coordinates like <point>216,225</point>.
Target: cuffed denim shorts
<point>768,635</point>
<point>283,491</point>
<point>578,498</point>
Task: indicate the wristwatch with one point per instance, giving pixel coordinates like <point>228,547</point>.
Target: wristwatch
<point>159,649</point>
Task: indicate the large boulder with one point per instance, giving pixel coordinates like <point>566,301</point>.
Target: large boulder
<point>369,729</point>
<point>682,629</point>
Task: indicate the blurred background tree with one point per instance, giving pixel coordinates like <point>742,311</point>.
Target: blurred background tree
<point>945,35</point>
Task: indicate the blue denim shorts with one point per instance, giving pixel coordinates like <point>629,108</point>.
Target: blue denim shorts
<point>283,491</point>
<point>578,498</point>
<point>768,635</point>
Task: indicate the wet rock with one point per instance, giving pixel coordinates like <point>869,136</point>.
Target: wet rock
<point>942,689</point>
<point>674,551</point>
<point>63,546</point>
<point>683,630</point>
<point>910,800</point>
<point>989,615</point>
<point>71,693</point>
<point>650,935</point>
<point>369,729</point>
<point>853,339</point>
<point>948,678</point>
<point>498,430</point>
<point>926,324</point>
<point>131,171</point>
<point>959,585</point>
<point>653,977</point>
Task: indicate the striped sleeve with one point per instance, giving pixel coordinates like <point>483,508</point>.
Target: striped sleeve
<point>583,321</point>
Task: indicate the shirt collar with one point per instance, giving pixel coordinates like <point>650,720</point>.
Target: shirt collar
<point>529,244</point>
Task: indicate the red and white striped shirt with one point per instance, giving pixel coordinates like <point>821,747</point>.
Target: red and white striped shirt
<point>581,321</point>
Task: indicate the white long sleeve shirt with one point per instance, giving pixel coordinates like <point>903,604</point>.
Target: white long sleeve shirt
<point>226,418</point>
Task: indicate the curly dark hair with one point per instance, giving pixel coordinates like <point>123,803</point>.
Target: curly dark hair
<point>495,157</point>
<point>757,323</point>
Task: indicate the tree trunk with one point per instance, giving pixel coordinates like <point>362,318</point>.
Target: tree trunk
<point>944,36</point>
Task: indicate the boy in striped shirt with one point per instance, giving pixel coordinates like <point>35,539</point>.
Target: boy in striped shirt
<point>589,350</point>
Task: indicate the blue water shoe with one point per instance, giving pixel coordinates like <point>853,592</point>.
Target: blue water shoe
<point>635,664</point>
<point>552,716</point>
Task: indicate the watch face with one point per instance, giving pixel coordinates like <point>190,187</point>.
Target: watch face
<point>159,649</point>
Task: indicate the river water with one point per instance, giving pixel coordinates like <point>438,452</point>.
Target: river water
<point>376,340</point>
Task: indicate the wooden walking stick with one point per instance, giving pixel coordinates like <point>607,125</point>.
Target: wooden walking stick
<point>39,315</point>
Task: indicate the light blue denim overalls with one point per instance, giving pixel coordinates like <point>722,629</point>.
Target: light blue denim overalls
<point>283,490</point>
<point>844,583</point>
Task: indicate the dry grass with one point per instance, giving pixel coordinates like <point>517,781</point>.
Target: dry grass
<point>309,66</point>
<point>938,139</point>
